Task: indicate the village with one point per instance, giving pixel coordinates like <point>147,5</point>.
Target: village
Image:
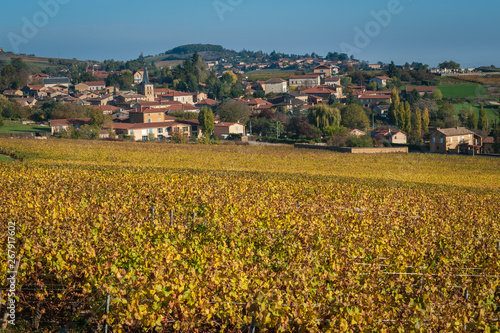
<point>277,108</point>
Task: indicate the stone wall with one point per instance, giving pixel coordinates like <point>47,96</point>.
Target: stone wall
<point>388,150</point>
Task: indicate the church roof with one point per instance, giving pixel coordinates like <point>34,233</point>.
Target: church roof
<point>145,79</point>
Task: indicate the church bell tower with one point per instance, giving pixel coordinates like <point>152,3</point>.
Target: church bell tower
<point>146,88</point>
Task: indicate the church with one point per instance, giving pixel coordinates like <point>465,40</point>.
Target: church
<point>146,88</point>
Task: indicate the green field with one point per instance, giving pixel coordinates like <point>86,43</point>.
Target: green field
<point>463,91</point>
<point>20,128</point>
<point>491,111</point>
<point>4,158</point>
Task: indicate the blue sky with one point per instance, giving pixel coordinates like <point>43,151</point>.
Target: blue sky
<point>415,30</point>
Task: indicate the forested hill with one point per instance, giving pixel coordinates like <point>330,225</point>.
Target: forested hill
<point>207,51</point>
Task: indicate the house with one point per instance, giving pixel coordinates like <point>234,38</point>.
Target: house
<point>382,110</point>
<point>158,92</point>
<point>381,80</point>
<point>186,98</point>
<point>374,66</point>
<point>126,100</point>
<point>182,108</point>
<point>148,131</point>
<point>325,91</point>
<point>81,87</point>
<point>447,140</point>
<point>101,100</point>
<point>96,85</point>
<point>210,103</point>
<point>307,81</point>
<point>62,125</point>
<point>488,144</point>
<point>332,81</point>
<point>138,76</point>
<point>357,90</point>
<point>323,70</point>
<point>223,130</point>
<point>147,116</point>
<point>40,76</point>
<point>199,96</point>
<point>34,91</point>
<point>195,127</point>
<point>372,100</point>
<point>101,74</point>
<point>29,102</point>
<point>296,95</point>
<point>421,90</point>
<point>13,93</point>
<point>54,81</point>
<point>275,85</point>
<point>390,136</point>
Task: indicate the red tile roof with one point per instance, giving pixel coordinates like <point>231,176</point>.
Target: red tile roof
<point>489,139</point>
<point>309,76</point>
<point>226,124</point>
<point>320,90</point>
<point>95,83</point>
<point>371,96</point>
<point>208,101</point>
<point>275,80</point>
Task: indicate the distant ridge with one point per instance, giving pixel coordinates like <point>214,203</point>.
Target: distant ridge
<point>192,48</point>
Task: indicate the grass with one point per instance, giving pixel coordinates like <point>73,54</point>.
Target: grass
<point>9,127</point>
<point>266,74</point>
<point>463,91</point>
<point>491,111</point>
<point>4,158</point>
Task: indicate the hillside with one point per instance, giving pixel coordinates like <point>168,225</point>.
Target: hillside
<point>208,52</point>
<point>38,64</point>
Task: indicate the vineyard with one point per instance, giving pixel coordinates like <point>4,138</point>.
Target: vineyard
<point>189,238</point>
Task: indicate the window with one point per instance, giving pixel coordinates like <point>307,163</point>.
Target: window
<point>441,140</point>
<point>150,130</point>
<point>149,121</point>
<point>131,132</point>
<point>144,138</point>
<point>185,129</point>
<point>434,139</point>
<point>160,130</point>
<point>194,128</point>
<point>451,139</point>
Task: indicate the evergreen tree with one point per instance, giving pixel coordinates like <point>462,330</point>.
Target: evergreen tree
<point>417,122</point>
<point>482,122</point>
<point>393,109</point>
<point>400,117</point>
<point>425,121</point>
<point>206,119</point>
<point>407,118</point>
<point>471,119</point>
<point>393,71</point>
